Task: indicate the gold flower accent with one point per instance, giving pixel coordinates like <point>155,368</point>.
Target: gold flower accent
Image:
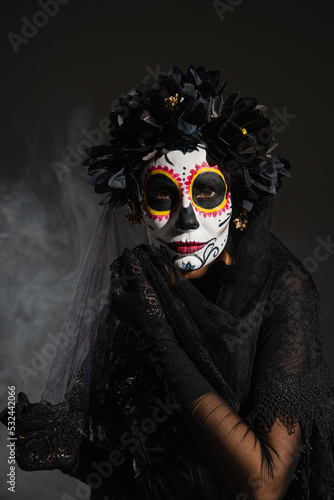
<point>241,221</point>
<point>173,101</point>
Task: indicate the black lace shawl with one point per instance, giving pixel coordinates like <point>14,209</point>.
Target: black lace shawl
<point>256,337</point>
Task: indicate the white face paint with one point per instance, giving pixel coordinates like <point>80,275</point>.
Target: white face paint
<point>186,207</point>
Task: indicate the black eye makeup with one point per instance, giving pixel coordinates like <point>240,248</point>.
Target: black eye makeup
<point>208,191</point>
<point>162,194</point>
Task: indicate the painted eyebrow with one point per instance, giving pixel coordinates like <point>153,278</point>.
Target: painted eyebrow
<point>168,160</point>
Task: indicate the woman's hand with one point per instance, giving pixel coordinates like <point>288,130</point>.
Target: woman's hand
<point>134,302</point>
<point>48,436</point>
<point>132,298</point>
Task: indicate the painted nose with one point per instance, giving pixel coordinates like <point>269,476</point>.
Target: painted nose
<point>187,219</point>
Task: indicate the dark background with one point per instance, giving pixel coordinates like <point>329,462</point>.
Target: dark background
<point>65,80</point>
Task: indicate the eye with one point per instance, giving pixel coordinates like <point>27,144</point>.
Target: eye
<point>163,195</point>
<point>206,194</point>
<point>208,190</point>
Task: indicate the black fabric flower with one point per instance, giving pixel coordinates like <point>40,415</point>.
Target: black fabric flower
<point>183,108</point>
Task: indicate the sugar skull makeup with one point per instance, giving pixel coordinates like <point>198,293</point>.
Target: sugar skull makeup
<point>186,207</point>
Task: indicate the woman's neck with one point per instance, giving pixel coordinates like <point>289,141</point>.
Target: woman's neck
<point>199,273</point>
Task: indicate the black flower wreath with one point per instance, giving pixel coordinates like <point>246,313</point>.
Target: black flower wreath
<point>186,109</point>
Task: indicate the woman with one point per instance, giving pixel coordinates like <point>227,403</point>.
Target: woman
<point>202,375</point>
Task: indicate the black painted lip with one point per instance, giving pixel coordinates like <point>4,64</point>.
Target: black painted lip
<point>186,247</point>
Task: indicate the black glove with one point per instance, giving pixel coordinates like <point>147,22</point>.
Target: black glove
<point>48,436</point>
<point>134,302</point>
<point>52,437</point>
<point>132,298</point>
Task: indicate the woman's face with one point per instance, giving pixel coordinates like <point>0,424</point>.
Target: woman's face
<point>186,207</point>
